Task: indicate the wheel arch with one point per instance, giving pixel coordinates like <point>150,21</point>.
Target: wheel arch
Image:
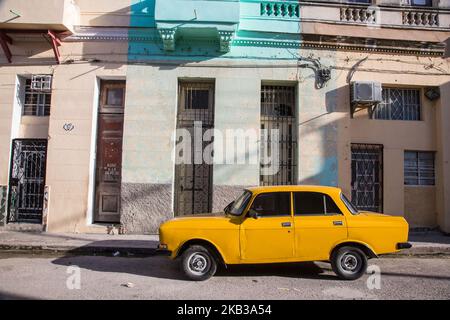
<point>370,253</point>
<point>203,242</point>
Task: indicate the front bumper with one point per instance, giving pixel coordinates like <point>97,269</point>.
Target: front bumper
<point>403,245</point>
<point>162,249</point>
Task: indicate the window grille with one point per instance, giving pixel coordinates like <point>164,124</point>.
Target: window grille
<point>399,104</point>
<point>37,96</point>
<point>419,168</point>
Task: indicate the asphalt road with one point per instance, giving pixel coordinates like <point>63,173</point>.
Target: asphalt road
<point>47,277</point>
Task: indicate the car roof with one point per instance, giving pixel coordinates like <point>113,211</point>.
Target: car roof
<point>288,188</point>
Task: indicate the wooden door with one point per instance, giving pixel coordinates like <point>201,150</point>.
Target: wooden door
<point>109,152</point>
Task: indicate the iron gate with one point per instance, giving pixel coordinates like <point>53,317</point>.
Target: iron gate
<point>278,112</point>
<point>193,181</point>
<point>27,180</point>
<point>367,177</point>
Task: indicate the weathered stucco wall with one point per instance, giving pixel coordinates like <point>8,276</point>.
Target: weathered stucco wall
<point>420,206</point>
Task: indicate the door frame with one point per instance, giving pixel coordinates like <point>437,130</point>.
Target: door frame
<point>99,96</point>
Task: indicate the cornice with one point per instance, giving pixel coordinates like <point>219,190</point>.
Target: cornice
<point>227,41</point>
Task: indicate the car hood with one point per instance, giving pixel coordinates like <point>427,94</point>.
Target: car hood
<point>201,216</point>
<point>217,220</point>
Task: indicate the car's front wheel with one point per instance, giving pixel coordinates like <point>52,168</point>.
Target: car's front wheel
<point>349,263</point>
<point>198,263</point>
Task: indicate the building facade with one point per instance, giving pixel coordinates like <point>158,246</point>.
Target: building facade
<point>95,97</point>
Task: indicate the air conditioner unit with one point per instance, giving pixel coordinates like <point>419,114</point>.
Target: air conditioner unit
<point>366,92</point>
<point>41,82</point>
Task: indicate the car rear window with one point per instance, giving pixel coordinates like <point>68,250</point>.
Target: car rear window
<point>314,203</point>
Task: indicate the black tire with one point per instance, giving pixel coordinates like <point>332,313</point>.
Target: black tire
<point>349,263</point>
<point>198,263</point>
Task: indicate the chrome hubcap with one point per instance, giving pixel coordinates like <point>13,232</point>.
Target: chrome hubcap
<point>198,263</point>
<point>349,262</point>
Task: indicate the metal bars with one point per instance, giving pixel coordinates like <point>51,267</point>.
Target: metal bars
<point>419,168</point>
<point>37,102</point>
<point>27,180</point>
<point>399,104</point>
<point>278,112</point>
<point>193,181</point>
<point>367,176</point>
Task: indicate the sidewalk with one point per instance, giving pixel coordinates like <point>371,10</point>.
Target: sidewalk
<point>424,243</point>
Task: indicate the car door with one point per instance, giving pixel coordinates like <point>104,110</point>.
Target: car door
<point>270,236</point>
<point>319,224</point>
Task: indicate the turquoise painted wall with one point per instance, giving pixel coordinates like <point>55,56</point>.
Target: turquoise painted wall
<point>196,24</point>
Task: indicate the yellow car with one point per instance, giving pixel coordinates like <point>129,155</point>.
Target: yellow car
<point>284,224</point>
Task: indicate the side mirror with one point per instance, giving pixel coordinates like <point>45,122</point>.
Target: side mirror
<point>252,214</point>
<point>227,208</point>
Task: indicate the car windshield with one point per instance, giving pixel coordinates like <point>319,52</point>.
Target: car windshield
<point>349,205</point>
<point>240,203</point>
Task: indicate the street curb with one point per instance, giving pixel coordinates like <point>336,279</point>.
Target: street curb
<point>424,251</point>
<point>83,250</point>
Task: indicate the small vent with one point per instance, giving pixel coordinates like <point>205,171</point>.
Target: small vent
<point>41,82</point>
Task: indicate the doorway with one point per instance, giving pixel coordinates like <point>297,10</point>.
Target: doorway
<point>108,173</point>
<point>367,176</point>
<point>193,181</point>
<point>27,180</point>
<point>278,113</point>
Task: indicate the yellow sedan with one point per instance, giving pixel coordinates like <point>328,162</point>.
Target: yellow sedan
<point>283,224</point>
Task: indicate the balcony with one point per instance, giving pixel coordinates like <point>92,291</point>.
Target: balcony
<point>36,20</point>
<point>200,19</point>
<point>57,15</point>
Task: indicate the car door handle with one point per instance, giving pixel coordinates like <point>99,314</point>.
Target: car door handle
<point>285,224</point>
<point>338,223</point>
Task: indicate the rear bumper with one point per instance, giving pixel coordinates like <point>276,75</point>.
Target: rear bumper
<point>403,245</point>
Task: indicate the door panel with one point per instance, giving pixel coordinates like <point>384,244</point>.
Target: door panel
<point>109,153</point>
<point>270,237</point>
<point>367,177</point>
<point>319,225</point>
<point>265,239</point>
<point>316,235</point>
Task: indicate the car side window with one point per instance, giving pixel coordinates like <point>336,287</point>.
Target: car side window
<point>272,204</point>
<point>314,203</point>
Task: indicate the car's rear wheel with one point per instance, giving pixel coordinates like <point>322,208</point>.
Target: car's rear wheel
<point>198,263</point>
<point>349,263</point>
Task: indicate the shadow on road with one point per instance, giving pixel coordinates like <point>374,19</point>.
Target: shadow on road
<point>305,270</point>
<point>106,256</point>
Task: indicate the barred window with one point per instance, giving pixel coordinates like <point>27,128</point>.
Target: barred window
<point>37,97</point>
<point>419,168</point>
<point>399,104</point>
